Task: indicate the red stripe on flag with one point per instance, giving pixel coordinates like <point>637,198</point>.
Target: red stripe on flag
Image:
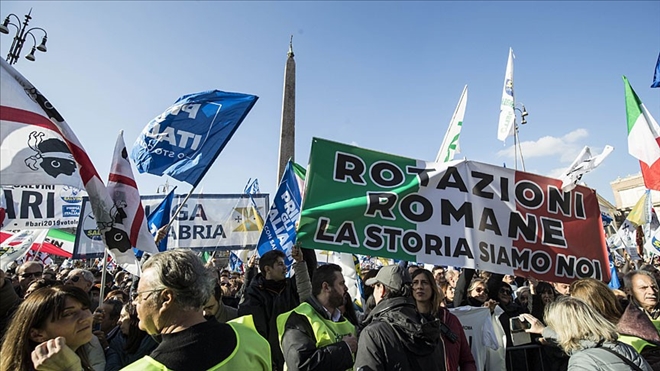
<point>87,169</point>
<point>137,225</point>
<point>122,179</point>
<point>27,117</point>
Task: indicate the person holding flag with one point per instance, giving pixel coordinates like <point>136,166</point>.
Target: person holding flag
<point>271,293</point>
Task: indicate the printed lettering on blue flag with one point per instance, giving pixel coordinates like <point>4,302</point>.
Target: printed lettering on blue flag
<point>235,263</point>
<point>158,218</point>
<point>656,75</point>
<point>184,141</point>
<point>279,231</point>
<point>614,281</point>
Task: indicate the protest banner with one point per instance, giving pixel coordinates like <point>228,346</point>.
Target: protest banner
<point>206,222</point>
<point>41,206</point>
<point>213,221</point>
<point>459,213</point>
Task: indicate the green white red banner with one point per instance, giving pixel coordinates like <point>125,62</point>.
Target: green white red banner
<point>459,213</point>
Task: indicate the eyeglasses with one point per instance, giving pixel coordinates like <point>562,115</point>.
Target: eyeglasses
<point>139,298</point>
<point>74,279</point>
<point>31,274</point>
<point>480,290</point>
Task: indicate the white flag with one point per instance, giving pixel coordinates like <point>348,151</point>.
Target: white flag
<point>124,192</point>
<point>450,144</point>
<point>16,246</point>
<point>507,113</point>
<point>56,155</point>
<point>583,164</point>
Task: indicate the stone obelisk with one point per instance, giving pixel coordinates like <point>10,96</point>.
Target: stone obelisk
<point>288,128</point>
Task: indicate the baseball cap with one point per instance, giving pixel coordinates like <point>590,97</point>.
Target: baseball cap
<point>392,276</point>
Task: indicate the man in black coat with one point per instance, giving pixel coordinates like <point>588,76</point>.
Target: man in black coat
<point>396,336</point>
<point>270,294</point>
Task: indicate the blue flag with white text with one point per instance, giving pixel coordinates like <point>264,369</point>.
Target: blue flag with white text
<point>656,75</point>
<point>184,141</point>
<point>158,218</point>
<point>279,231</point>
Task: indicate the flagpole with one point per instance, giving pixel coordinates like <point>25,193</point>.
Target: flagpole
<point>516,140</point>
<point>103,273</point>
<point>169,224</point>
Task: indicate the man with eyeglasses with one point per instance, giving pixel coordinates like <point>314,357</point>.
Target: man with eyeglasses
<point>81,278</point>
<point>27,273</point>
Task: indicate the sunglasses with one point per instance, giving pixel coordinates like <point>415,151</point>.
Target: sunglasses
<point>32,274</point>
<point>480,290</point>
<point>74,279</point>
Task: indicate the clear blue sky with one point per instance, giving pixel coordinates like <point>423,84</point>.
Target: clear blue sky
<point>381,75</point>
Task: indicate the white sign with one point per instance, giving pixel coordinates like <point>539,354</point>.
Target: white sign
<point>42,206</point>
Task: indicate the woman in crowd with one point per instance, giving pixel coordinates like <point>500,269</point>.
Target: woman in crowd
<point>599,296</point>
<point>428,299</point>
<point>47,314</point>
<point>543,295</point>
<point>131,345</point>
<point>448,294</point>
<point>587,337</point>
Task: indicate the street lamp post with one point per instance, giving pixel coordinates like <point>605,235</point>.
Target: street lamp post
<point>22,32</point>
<point>516,145</point>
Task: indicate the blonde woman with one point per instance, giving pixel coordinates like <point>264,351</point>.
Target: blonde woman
<point>586,336</point>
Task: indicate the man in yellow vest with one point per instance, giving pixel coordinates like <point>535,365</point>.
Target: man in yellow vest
<point>170,297</point>
<point>639,325</point>
<point>315,335</point>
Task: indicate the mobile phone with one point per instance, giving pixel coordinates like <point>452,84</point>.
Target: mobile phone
<point>518,325</point>
<point>96,327</point>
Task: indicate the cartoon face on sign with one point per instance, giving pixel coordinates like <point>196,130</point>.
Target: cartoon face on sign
<point>52,155</point>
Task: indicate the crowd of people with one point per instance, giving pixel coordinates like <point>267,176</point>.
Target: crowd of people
<point>183,314</point>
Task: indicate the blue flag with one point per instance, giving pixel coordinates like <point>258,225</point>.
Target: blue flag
<point>184,141</point>
<point>614,281</point>
<point>235,263</point>
<point>656,75</point>
<point>158,218</point>
<point>279,231</point>
<point>606,218</point>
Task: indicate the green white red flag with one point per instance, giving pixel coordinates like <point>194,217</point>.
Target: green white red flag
<point>643,138</point>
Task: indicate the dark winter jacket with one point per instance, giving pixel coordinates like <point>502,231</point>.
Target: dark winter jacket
<point>397,337</point>
<point>266,299</point>
<point>637,330</point>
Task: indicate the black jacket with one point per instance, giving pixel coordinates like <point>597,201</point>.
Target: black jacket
<point>267,299</point>
<point>397,337</point>
<point>299,345</point>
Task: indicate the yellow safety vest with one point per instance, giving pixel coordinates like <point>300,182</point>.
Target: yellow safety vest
<point>638,343</point>
<point>326,331</point>
<point>252,351</point>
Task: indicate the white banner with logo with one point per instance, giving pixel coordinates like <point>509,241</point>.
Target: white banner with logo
<point>41,206</point>
<point>205,222</point>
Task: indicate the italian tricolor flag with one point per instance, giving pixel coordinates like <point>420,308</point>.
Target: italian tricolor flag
<point>643,138</point>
